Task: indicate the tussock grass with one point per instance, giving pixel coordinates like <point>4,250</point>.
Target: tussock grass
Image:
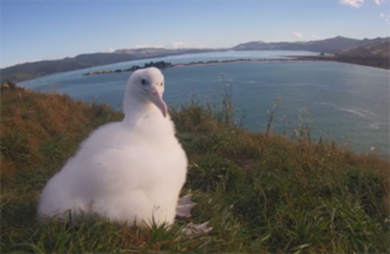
<point>261,192</point>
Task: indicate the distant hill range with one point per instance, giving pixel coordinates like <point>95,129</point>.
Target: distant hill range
<point>374,54</point>
<point>377,48</point>
<point>380,49</point>
<point>332,45</point>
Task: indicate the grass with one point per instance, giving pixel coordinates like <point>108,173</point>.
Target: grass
<point>261,192</point>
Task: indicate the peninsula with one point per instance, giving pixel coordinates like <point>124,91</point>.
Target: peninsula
<point>164,65</point>
<point>368,61</point>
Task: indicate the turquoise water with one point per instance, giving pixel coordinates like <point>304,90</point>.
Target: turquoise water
<point>348,103</point>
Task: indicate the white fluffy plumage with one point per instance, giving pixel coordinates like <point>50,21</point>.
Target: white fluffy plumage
<point>129,171</point>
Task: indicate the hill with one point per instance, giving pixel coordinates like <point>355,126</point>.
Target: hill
<point>27,71</point>
<point>32,70</point>
<point>375,54</point>
<point>331,45</point>
<point>377,50</point>
<point>262,193</point>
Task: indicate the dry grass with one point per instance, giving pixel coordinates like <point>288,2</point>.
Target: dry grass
<point>261,192</point>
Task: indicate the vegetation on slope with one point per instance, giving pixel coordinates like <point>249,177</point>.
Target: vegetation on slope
<point>378,50</point>
<point>32,70</point>
<point>261,193</point>
<point>377,62</point>
<point>375,54</point>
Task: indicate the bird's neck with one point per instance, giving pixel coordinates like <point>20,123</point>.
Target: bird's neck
<point>144,114</point>
<point>136,109</point>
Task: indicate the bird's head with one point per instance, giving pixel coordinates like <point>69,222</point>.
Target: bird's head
<point>146,86</point>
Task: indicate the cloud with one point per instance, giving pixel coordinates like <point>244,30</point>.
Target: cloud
<point>200,45</point>
<point>379,2</point>
<point>110,50</point>
<point>297,35</point>
<point>141,46</point>
<point>383,16</point>
<point>180,44</point>
<point>358,3</point>
<point>353,3</point>
<point>171,45</point>
<point>317,37</point>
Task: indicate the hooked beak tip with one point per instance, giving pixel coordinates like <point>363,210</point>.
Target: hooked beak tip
<point>157,100</point>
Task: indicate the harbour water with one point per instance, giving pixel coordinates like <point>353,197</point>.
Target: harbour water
<point>345,102</point>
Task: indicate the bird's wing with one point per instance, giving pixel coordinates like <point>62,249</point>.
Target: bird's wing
<point>117,170</point>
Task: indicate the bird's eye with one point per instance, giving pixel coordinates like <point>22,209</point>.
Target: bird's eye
<point>143,81</point>
<point>162,83</point>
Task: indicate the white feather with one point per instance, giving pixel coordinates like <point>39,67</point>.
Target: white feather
<point>126,171</point>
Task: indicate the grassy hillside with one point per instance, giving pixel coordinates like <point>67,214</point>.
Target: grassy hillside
<point>32,70</point>
<point>378,50</point>
<point>376,54</point>
<point>261,193</point>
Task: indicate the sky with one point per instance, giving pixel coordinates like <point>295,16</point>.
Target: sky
<point>34,30</point>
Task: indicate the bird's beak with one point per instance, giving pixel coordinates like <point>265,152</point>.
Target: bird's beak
<point>157,100</point>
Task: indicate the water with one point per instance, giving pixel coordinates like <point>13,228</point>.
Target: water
<point>348,103</point>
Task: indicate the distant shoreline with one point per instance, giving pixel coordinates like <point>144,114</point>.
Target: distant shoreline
<point>378,63</point>
<point>165,65</point>
<point>236,61</point>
